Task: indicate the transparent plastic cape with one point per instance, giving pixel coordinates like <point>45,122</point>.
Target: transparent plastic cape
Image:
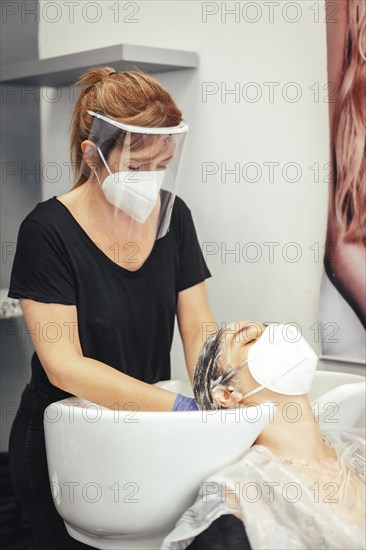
<point>286,504</point>
<point>132,172</point>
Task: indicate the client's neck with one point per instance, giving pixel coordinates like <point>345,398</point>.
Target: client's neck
<point>294,431</point>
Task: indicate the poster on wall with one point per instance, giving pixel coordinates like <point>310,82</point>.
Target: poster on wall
<point>343,286</point>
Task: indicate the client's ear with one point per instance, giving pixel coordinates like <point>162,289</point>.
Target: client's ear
<point>226,396</point>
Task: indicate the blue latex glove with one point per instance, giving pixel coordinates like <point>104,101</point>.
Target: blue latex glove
<point>183,403</point>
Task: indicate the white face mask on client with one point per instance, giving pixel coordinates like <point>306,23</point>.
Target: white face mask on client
<point>136,193</point>
<point>281,360</point>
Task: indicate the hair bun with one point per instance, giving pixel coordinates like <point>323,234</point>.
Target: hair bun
<point>94,75</point>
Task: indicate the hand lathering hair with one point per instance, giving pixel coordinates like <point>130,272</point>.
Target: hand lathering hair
<point>210,372</point>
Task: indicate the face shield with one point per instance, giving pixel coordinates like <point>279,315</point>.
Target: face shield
<point>136,169</point>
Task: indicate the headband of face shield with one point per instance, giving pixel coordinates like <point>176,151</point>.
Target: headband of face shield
<point>281,360</point>
<point>137,169</point>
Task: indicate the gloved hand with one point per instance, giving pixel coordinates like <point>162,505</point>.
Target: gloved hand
<point>183,403</point>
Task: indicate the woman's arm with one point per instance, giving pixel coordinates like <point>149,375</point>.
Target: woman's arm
<point>194,320</point>
<point>55,336</point>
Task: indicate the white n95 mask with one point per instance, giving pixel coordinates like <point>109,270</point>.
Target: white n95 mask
<point>282,361</point>
<point>134,192</point>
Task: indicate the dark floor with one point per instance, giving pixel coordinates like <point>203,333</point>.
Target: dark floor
<point>15,533</point>
<point>19,543</point>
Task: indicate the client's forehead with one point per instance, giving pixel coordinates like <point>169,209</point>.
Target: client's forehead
<point>240,324</point>
<point>244,329</point>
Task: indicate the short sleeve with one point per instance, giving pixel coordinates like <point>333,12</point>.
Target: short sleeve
<point>193,268</point>
<point>41,269</point>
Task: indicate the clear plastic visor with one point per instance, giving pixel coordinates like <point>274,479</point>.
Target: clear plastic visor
<point>132,175</point>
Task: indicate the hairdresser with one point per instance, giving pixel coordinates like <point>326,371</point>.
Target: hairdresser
<point>102,271</point>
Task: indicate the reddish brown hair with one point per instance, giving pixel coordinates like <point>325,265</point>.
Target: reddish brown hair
<point>132,97</point>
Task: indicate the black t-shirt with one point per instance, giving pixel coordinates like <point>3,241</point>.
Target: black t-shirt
<point>125,318</point>
<point>225,533</point>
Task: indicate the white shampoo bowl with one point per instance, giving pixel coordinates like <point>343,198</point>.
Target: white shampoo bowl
<point>121,479</point>
<point>338,400</point>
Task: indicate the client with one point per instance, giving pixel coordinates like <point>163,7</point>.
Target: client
<point>296,487</point>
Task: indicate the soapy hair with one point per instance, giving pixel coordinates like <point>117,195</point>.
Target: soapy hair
<point>350,130</point>
<point>207,370</point>
<point>132,97</point>
<point>210,372</point>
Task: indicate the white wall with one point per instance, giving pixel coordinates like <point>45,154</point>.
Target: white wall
<point>229,131</point>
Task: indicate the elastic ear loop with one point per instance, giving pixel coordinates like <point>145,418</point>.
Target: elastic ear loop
<point>222,379</point>
<point>269,385</point>
<point>105,164</point>
<point>237,388</point>
<point>103,159</point>
<point>110,173</point>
